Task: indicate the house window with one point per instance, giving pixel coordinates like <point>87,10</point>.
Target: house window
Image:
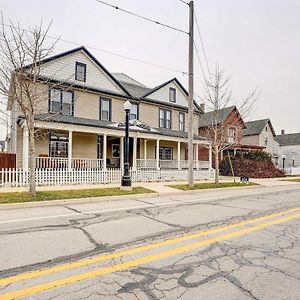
<point>115,150</point>
<point>58,146</point>
<point>165,153</point>
<point>266,128</point>
<point>231,135</point>
<point>133,112</point>
<point>266,142</point>
<point>61,101</point>
<point>165,118</point>
<point>105,109</point>
<point>172,95</point>
<point>181,121</point>
<point>80,72</point>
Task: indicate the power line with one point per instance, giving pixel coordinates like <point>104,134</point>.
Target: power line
<point>202,45</point>
<point>199,59</point>
<point>183,2</point>
<point>142,17</point>
<point>105,51</point>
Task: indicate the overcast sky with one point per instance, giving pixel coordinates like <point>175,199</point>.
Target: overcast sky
<point>257,42</point>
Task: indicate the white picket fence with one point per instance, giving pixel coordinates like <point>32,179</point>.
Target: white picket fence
<point>20,177</point>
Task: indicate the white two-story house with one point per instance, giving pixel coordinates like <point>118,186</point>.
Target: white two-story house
<point>80,120</point>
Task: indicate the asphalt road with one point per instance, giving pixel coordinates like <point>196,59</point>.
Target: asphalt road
<point>223,244</point>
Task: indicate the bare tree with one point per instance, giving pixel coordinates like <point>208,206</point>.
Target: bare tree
<point>20,76</point>
<point>217,98</point>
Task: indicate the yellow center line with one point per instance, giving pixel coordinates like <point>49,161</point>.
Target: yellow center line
<point>139,261</point>
<point>89,261</point>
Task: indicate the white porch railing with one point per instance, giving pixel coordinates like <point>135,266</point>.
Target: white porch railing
<point>52,176</point>
<point>170,164</point>
<point>63,163</point>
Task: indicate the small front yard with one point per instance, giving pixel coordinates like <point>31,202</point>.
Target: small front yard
<point>210,185</point>
<point>18,197</point>
<point>293,180</point>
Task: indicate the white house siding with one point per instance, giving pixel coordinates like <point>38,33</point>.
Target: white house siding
<point>271,143</point>
<point>290,152</point>
<point>63,69</point>
<point>162,94</point>
<point>250,140</point>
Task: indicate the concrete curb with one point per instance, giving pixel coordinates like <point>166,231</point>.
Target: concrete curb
<point>62,202</point>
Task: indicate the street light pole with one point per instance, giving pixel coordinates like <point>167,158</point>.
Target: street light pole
<point>126,180</point>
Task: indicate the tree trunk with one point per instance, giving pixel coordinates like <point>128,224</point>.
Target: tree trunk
<point>216,164</point>
<point>31,162</point>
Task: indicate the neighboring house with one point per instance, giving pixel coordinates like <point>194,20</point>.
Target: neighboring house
<point>262,133</point>
<point>81,120</point>
<point>290,149</point>
<point>231,129</point>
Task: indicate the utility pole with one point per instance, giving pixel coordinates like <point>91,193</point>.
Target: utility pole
<point>191,94</point>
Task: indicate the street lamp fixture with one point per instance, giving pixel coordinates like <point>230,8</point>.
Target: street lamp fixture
<point>126,179</point>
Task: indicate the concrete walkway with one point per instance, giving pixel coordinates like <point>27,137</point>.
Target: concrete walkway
<point>161,188</point>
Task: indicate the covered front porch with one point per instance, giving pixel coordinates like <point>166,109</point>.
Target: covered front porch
<point>84,147</point>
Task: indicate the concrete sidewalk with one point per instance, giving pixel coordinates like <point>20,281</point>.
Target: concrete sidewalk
<point>160,188</point>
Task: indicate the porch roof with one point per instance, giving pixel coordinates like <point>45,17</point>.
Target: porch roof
<point>59,118</point>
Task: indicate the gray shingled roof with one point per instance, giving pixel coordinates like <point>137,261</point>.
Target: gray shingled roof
<point>134,90</point>
<point>215,117</point>
<point>288,139</point>
<point>127,79</point>
<point>105,124</point>
<point>256,127</point>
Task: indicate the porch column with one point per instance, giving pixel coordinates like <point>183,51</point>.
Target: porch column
<point>178,155</point>
<point>157,154</point>
<point>210,156</point>
<point>121,153</point>
<point>145,149</point>
<point>25,148</point>
<point>197,156</point>
<point>134,153</point>
<point>70,150</point>
<point>104,151</point>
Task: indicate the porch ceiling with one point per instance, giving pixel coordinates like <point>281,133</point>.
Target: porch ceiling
<point>58,122</point>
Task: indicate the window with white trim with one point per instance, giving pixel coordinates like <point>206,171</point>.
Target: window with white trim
<point>165,118</point>
<point>105,107</point>
<point>231,135</point>
<point>165,153</point>
<point>58,145</point>
<point>61,101</point>
<point>172,95</point>
<point>181,121</point>
<point>133,115</point>
<point>80,71</point>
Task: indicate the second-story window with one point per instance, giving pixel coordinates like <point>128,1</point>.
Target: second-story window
<point>181,121</point>
<point>133,112</point>
<point>61,101</point>
<point>231,135</point>
<point>172,95</point>
<point>165,118</point>
<point>105,109</point>
<point>80,71</point>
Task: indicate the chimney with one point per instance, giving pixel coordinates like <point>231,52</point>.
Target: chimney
<point>282,131</point>
<point>202,106</point>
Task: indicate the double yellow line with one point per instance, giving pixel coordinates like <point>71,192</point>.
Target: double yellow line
<point>142,260</point>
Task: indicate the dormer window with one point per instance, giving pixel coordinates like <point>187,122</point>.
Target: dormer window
<point>80,72</point>
<point>172,95</point>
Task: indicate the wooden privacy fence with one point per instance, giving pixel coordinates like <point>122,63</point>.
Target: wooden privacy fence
<point>20,177</point>
<point>7,160</point>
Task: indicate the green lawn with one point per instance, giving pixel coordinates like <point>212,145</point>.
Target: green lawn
<point>209,185</point>
<point>18,197</point>
<point>293,180</point>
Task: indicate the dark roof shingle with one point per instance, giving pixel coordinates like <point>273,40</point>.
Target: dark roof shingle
<point>288,139</point>
<point>256,127</point>
<point>215,117</point>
